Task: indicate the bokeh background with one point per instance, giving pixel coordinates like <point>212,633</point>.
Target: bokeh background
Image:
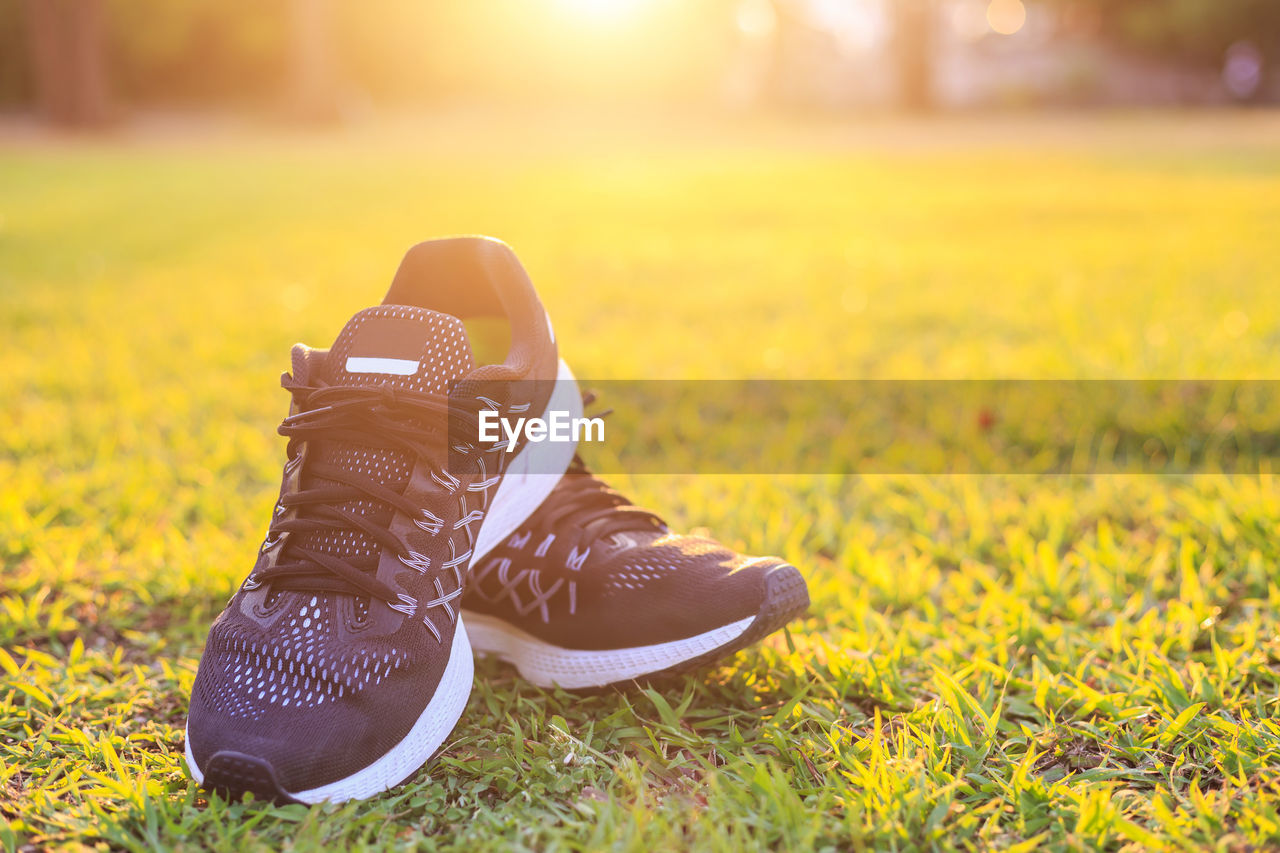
<point>1070,189</point>
<point>84,61</point>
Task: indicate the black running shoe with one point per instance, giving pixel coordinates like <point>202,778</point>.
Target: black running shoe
<point>340,665</point>
<point>593,591</point>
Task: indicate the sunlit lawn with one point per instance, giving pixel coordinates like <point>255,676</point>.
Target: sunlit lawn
<point>988,661</point>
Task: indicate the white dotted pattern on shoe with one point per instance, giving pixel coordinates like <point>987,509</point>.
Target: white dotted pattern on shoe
<point>644,568</point>
<point>296,668</point>
<point>427,735</point>
<point>446,357</point>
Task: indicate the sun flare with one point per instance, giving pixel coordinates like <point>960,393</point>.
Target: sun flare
<point>601,11</point>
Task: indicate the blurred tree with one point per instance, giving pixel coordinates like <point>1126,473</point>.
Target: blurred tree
<point>1188,31</point>
<point>62,53</point>
<point>314,84</point>
<point>15,69</point>
<point>198,51</point>
<point>66,46</point>
<point>913,28</point>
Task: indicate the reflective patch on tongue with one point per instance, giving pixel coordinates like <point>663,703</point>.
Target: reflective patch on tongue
<point>389,366</point>
<point>403,346</point>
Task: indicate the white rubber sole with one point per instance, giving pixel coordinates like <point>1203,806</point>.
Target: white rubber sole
<point>526,483</point>
<point>547,665</point>
<point>427,735</point>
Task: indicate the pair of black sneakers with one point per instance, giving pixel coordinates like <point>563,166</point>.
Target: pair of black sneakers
<point>402,543</point>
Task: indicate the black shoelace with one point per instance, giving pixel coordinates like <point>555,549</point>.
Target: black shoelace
<point>371,417</point>
<point>586,503</point>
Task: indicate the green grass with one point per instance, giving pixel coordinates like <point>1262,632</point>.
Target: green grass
<point>990,662</point>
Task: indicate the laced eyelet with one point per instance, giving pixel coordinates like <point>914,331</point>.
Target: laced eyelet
<point>323,410</point>
<point>448,481</point>
<point>270,604</point>
<point>430,522</point>
<point>420,563</point>
<point>408,605</point>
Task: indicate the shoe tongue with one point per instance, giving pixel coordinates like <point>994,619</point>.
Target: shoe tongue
<point>407,348</point>
<point>404,347</point>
